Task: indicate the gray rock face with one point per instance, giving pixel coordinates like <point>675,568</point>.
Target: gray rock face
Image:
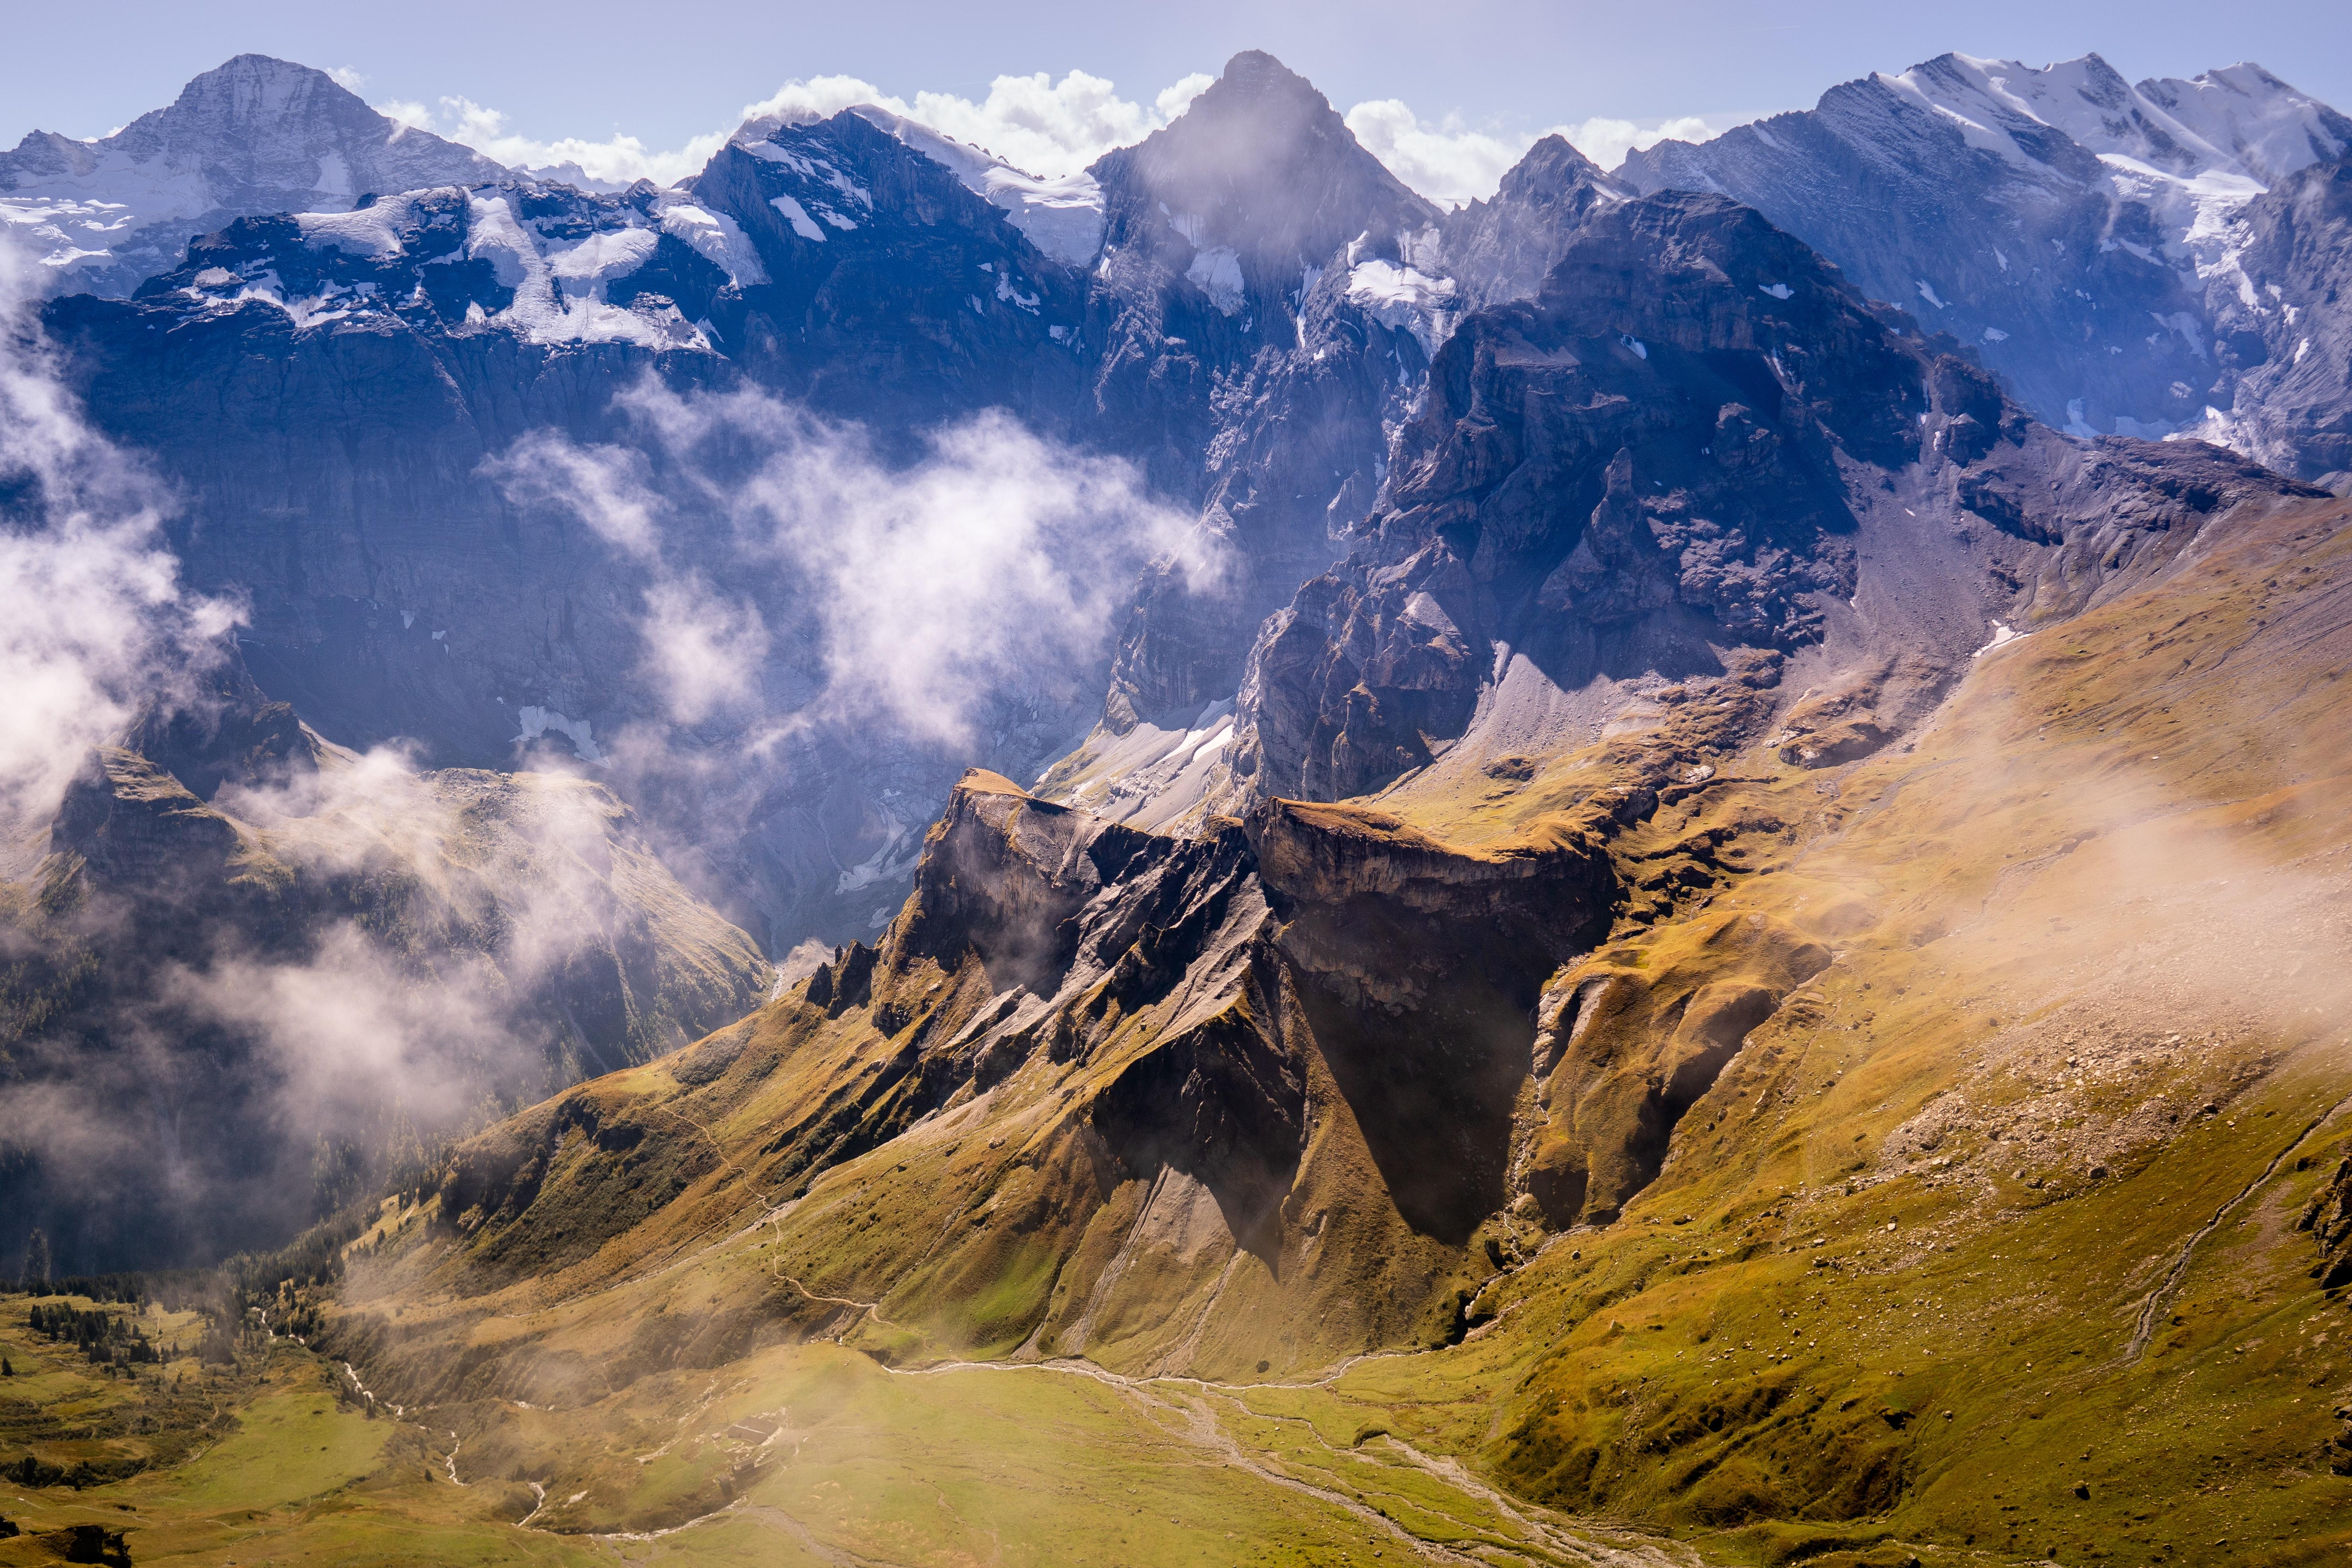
<point>1246,307</point>
<point>256,135</point>
<point>2281,326</point>
<point>1227,329</point>
<point>884,287</point>
<point>1304,446</point>
<point>1499,249</point>
<point>1697,438</point>
<point>333,393</point>
<point>2062,222</point>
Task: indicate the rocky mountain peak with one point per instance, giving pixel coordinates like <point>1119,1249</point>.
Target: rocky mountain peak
<point>259,121</point>
<point>1262,166</point>
<point>1691,453</point>
<point>1499,249</point>
<point>2268,128</point>
<point>1253,74</point>
<point>2044,215</point>
<point>1552,162</point>
<point>260,90</point>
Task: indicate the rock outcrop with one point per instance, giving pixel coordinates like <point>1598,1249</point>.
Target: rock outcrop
<point>2329,1220</point>
<point>1699,438</point>
<point>1626,1043</point>
<point>1279,1063</point>
<point>2280,328</point>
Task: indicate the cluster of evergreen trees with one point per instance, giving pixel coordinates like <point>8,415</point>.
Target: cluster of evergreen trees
<point>104,1338</point>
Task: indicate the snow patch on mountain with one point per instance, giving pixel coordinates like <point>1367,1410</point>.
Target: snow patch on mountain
<point>555,254</point>
<point>560,288</point>
<point>2194,150</point>
<point>1063,216</point>
<point>580,732</point>
<point>797,216</point>
<point>718,237</point>
<point>1217,272</point>
<point>1403,299</point>
<point>378,230</point>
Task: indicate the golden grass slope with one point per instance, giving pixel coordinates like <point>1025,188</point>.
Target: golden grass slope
<point>1988,1236</point>
<point>1985,1245</point>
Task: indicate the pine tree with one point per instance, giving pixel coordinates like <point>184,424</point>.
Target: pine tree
<point>37,1258</point>
<point>7,1367</point>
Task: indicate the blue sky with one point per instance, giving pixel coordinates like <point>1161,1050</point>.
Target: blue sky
<point>593,69</point>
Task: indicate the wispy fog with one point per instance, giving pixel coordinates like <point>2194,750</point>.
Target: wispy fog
<point>97,620</point>
<point>911,593</point>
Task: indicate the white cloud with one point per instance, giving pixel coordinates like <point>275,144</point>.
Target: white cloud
<point>347,79</point>
<point>614,164</point>
<point>97,621</point>
<point>1050,127</point>
<point>1606,141</point>
<point>1452,163</point>
<point>1031,121</point>
<point>1447,162</point>
<point>995,558</point>
<point>509,890</point>
<point>702,648</point>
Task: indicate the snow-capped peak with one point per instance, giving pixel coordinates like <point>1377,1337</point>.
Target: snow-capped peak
<point>2241,121</point>
<point>2245,114</point>
<point>255,135</point>
<point>1062,217</point>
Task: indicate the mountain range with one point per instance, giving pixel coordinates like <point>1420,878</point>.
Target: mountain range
<point>1555,881</point>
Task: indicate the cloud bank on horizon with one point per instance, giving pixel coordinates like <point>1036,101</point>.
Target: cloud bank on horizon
<point>1046,127</point>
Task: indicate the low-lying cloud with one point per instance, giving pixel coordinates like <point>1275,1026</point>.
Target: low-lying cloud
<point>436,950</point>
<point>996,557</point>
<point>97,622</point>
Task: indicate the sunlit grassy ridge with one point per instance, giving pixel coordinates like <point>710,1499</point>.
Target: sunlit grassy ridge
<point>1985,1244</point>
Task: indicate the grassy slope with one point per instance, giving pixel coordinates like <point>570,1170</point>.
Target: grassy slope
<point>1886,1296</point>
<point>1894,1273</point>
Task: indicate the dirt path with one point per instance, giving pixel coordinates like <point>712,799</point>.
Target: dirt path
<point>1187,1399</point>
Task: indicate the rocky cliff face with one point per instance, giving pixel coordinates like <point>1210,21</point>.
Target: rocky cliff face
<point>885,288</point>
<point>1501,249</point>
<point>1229,243</point>
<point>1291,476</point>
<point>1699,438</point>
<point>2063,223</point>
<point>255,136</point>
<point>1275,1068</point>
<point>2279,324</point>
